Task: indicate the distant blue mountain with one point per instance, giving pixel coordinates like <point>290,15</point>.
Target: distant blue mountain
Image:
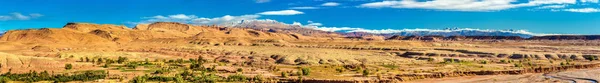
<point>463,32</point>
<point>349,31</point>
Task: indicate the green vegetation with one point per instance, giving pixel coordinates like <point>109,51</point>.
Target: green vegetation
<point>365,73</point>
<point>236,78</point>
<point>139,79</point>
<point>120,60</point>
<point>45,76</point>
<point>484,62</point>
<point>196,78</point>
<point>68,66</point>
<point>305,71</point>
<point>339,70</point>
<point>590,58</point>
<point>503,61</point>
<point>518,65</point>
<point>240,70</point>
<point>284,74</point>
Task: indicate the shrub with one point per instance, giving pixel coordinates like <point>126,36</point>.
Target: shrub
<point>484,62</point>
<point>132,65</point>
<point>185,74</point>
<point>365,73</point>
<point>139,79</point>
<point>236,78</point>
<point>99,60</point>
<point>68,66</point>
<point>306,71</point>
<point>284,74</point>
<point>196,66</point>
<point>160,79</point>
<point>120,60</point>
<point>105,66</point>
<point>161,71</point>
<point>258,78</point>
<point>211,78</point>
<point>45,76</point>
<point>4,79</point>
<point>240,70</point>
<point>339,70</point>
<point>590,58</point>
<point>518,65</point>
<point>430,59</point>
<point>179,79</point>
<point>146,62</point>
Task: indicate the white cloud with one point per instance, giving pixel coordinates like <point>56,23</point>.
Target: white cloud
<point>306,7</point>
<point>19,16</point>
<point>590,1</point>
<point>281,12</point>
<point>181,16</point>
<point>193,19</point>
<point>297,23</point>
<point>330,4</point>
<point>583,10</point>
<point>552,7</point>
<point>311,23</point>
<point>262,1</point>
<point>463,5</point>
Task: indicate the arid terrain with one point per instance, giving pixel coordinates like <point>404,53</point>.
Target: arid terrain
<point>174,52</point>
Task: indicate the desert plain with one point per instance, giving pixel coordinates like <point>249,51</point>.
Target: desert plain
<point>181,53</point>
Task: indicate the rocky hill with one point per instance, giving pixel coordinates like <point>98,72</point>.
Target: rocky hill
<point>113,35</point>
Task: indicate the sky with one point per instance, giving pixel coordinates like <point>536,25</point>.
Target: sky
<point>538,16</point>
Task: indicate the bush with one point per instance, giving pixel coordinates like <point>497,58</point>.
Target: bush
<point>518,65</point>
<point>105,66</point>
<point>236,78</point>
<point>179,79</point>
<point>160,79</point>
<point>132,65</point>
<point>258,78</point>
<point>240,70</point>
<point>590,58</point>
<point>211,78</point>
<point>120,60</point>
<point>68,66</point>
<point>161,71</point>
<point>4,80</point>
<point>45,76</point>
<point>306,71</point>
<point>339,70</point>
<point>139,79</point>
<point>484,62</point>
<point>365,73</point>
<point>185,74</point>
<point>284,74</point>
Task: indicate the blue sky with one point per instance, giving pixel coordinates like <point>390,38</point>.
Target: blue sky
<point>538,16</point>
